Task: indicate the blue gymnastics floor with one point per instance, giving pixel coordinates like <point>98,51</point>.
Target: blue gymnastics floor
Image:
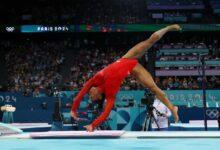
<point>111,144</point>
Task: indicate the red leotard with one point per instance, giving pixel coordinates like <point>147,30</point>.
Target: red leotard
<point>108,80</point>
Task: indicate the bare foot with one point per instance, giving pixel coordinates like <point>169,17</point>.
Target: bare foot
<point>175,27</point>
<point>175,114</point>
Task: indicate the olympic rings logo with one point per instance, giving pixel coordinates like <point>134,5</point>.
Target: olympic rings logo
<point>10,29</point>
<point>212,113</point>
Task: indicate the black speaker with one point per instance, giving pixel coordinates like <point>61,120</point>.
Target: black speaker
<point>57,115</point>
<point>1,115</point>
<point>219,118</point>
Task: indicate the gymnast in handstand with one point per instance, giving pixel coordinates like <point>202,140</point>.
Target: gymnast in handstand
<point>107,82</point>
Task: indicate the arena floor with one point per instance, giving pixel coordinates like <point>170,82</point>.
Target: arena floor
<point>107,140</point>
<point>114,140</point>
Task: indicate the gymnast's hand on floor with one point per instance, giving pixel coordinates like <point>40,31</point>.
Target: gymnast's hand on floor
<point>74,115</point>
<point>89,128</point>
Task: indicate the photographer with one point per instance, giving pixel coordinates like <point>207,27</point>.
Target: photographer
<point>161,115</point>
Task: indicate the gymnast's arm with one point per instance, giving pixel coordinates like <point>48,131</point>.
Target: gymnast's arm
<point>108,107</point>
<point>79,97</point>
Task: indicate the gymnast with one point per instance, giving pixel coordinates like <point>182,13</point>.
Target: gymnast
<point>106,83</point>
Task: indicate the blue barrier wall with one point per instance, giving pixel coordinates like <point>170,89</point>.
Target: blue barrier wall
<point>131,119</point>
<point>29,109</point>
<point>127,115</point>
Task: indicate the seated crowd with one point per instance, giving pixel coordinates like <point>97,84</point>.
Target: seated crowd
<point>33,66</point>
<point>109,12</point>
<point>41,66</point>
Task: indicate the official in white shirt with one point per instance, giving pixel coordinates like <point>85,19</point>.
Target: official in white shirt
<point>162,118</point>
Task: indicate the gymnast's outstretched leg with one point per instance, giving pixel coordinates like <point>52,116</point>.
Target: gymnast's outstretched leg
<point>139,50</point>
<point>144,77</point>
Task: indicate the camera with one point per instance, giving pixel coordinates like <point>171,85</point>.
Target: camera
<point>148,98</point>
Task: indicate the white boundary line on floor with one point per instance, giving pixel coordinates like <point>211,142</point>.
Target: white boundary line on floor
<point>115,134</point>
